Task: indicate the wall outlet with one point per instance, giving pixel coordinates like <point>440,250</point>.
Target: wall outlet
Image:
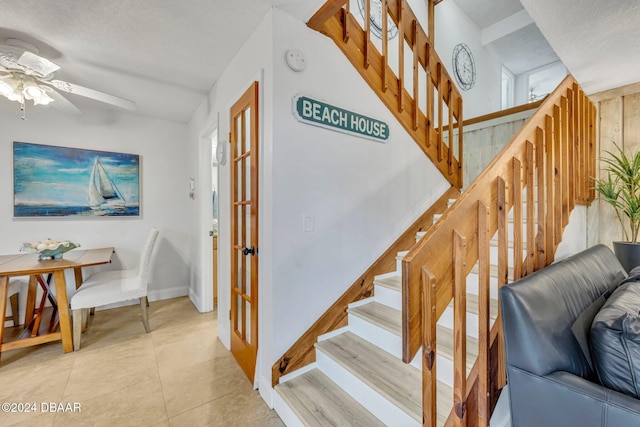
<point>307,222</point>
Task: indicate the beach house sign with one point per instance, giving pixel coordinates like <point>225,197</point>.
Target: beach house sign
<point>318,113</point>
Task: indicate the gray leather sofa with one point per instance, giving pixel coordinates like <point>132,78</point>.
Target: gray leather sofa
<point>550,381</point>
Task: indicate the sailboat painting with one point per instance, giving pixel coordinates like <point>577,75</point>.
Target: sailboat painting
<point>51,181</point>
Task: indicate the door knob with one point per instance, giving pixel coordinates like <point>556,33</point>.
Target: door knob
<point>248,251</point>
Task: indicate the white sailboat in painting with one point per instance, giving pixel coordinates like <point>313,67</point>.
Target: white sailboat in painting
<point>103,193</point>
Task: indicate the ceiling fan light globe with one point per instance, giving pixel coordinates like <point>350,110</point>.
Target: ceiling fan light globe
<point>5,88</point>
<point>33,92</point>
<point>8,82</point>
<point>13,96</point>
<point>43,100</point>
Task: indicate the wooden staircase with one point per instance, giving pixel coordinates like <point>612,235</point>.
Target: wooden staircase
<point>420,344</point>
<point>359,377</point>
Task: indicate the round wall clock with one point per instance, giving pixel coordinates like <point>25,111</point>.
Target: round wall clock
<point>376,19</point>
<point>464,67</point>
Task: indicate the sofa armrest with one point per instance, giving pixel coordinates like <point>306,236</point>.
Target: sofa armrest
<point>564,399</point>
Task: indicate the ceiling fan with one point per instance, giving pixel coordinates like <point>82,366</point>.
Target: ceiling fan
<point>24,75</point>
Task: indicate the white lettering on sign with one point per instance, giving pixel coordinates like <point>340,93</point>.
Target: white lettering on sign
<point>306,108</point>
<point>321,114</point>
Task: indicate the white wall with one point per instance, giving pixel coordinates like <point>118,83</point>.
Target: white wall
<point>251,63</point>
<point>362,194</point>
<point>484,97</point>
<point>574,237</point>
<point>163,181</point>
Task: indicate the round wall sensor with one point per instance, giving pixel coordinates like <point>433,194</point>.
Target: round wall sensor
<point>296,60</point>
<point>221,153</point>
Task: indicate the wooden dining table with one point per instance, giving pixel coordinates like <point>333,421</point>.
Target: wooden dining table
<point>53,323</point>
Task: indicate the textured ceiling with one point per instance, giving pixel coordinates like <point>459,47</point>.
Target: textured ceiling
<point>598,41</point>
<point>485,13</point>
<point>520,49</point>
<point>524,50</point>
<point>164,55</point>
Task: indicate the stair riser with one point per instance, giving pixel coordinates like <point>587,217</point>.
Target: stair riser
<point>399,258</point>
<point>510,228</point>
<point>388,297</point>
<point>387,341</point>
<point>493,254</point>
<point>472,285</point>
<point>379,406</point>
<point>284,411</point>
<point>446,320</point>
<point>444,370</point>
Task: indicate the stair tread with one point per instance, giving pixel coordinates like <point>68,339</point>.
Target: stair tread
<point>444,345</point>
<point>494,243</point>
<point>472,305</point>
<point>493,271</point>
<point>444,402</point>
<point>318,401</point>
<point>381,315</point>
<point>391,282</point>
<point>398,382</point>
<point>401,254</point>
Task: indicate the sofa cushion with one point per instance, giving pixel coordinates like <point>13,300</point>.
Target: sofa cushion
<point>539,309</point>
<point>615,340</point>
<point>581,328</point>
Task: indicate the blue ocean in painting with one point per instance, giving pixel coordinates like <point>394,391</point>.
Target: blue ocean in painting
<point>26,211</point>
<point>60,181</point>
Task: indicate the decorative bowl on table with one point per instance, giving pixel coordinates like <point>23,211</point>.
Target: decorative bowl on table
<point>48,249</point>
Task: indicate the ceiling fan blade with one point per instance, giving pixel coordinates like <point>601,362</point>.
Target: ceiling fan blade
<point>93,94</point>
<point>37,65</point>
<point>63,104</point>
<point>9,57</point>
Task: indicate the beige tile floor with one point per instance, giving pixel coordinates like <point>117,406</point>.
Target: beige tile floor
<point>178,375</point>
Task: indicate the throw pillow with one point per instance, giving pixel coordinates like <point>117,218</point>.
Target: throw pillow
<point>634,276</point>
<point>582,326</point>
<point>615,340</point>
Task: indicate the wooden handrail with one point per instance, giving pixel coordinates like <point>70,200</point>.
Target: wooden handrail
<point>503,113</point>
<point>437,92</point>
<point>551,159</point>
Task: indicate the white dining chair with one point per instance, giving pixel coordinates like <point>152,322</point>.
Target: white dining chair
<point>109,287</point>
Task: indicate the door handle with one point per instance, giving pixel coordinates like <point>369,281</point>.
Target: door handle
<point>248,251</point>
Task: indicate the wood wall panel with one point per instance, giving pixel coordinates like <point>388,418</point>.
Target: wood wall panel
<point>619,123</point>
<point>631,122</point>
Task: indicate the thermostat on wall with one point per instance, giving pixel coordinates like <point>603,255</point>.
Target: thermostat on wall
<point>221,153</point>
<point>296,60</point>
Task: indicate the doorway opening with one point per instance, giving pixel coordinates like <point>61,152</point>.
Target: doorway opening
<point>214,217</point>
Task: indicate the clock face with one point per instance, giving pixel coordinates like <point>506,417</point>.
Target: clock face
<point>376,19</point>
<point>464,67</point>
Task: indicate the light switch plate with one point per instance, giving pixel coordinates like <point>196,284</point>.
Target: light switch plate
<point>307,222</point>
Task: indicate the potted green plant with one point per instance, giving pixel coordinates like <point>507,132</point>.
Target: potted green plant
<point>621,189</point>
